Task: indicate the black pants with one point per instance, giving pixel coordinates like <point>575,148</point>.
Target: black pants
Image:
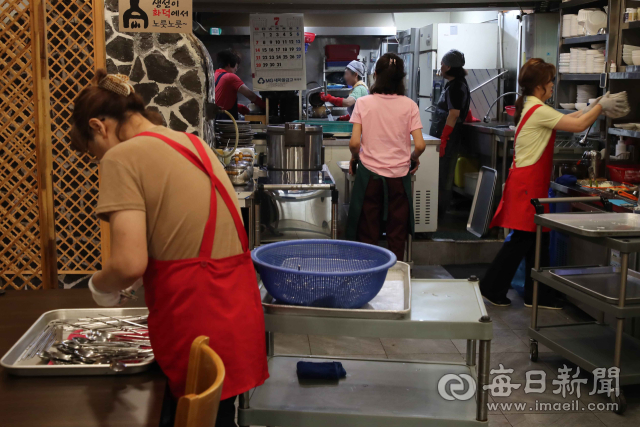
<point>447,169</point>
<point>522,245</point>
<point>226,411</point>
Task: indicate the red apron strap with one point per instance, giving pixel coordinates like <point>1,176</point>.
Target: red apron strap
<point>520,126</point>
<point>188,154</point>
<point>208,238</point>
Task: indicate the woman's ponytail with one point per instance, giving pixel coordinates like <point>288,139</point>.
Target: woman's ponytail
<point>534,73</point>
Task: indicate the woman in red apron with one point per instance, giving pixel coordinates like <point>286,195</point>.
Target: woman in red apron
<point>204,294</point>
<point>529,178</point>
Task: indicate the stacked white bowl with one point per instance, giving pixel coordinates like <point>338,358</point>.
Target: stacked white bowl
<point>635,57</point>
<point>570,26</point>
<point>578,60</point>
<point>628,53</point>
<point>565,63</point>
<point>585,93</point>
<point>595,61</point>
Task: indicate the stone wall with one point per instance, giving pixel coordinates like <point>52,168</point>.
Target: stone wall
<point>166,69</point>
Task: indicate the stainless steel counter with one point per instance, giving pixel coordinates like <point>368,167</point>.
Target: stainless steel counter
<point>493,128</point>
<point>344,142</point>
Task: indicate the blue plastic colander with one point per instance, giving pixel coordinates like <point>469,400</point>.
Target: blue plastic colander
<point>323,273</point>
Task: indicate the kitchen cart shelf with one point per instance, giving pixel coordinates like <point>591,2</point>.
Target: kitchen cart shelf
<point>635,25</point>
<point>624,132</point>
<point>380,393</point>
<point>591,346</point>
<point>585,39</point>
<point>374,394</point>
<point>624,76</point>
<point>581,77</point>
<point>609,290</point>
<point>548,279</point>
<point>581,4</point>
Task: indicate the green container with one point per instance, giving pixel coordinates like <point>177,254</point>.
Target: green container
<point>329,127</point>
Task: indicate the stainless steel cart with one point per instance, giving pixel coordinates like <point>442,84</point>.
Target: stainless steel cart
<point>610,290</point>
<point>380,393</point>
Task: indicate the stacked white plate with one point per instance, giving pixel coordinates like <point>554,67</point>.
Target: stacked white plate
<point>565,63</point>
<point>635,57</point>
<point>627,53</point>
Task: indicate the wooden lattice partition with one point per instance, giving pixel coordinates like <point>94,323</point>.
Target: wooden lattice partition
<point>73,57</point>
<point>34,151</point>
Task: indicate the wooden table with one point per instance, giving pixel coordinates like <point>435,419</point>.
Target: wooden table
<point>102,401</point>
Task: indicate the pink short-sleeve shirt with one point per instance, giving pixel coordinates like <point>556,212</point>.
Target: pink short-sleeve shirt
<point>387,122</point>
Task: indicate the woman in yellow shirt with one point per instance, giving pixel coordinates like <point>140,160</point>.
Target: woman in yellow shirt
<point>530,177</point>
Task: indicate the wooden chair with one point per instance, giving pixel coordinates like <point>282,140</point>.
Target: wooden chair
<point>205,375</point>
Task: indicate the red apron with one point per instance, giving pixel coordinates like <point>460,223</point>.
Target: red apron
<point>218,298</point>
<point>515,210</point>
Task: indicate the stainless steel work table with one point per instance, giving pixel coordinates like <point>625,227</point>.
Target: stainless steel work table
<point>379,393</point>
<point>591,345</point>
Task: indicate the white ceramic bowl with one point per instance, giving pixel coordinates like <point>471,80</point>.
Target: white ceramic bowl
<point>636,60</point>
<point>580,105</point>
<point>568,106</point>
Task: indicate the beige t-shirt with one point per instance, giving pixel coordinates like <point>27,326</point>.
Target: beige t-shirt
<point>534,136</point>
<point>145,173</point>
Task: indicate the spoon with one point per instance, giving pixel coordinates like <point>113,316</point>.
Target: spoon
<point>117,366</point>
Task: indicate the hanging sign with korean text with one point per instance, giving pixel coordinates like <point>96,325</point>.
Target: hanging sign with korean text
<point>156,16</point>
<point>277,60</point>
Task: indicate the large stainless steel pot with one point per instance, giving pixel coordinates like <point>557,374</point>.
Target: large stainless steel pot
<point>294,146</point>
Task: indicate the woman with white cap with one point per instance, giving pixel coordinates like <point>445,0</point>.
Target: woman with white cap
<point>451,111</point>
<point>353,75</point>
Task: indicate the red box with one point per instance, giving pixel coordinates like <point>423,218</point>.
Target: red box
<point>624,173</point>
<point>341,52</point>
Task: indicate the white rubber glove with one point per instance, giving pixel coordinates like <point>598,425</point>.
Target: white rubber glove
<point>614,106</point>
<point>104,299</point>
<point>593,104</point>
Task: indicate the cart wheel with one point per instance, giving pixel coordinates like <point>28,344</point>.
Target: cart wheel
<point>621,403</point>
<point>533,351</point>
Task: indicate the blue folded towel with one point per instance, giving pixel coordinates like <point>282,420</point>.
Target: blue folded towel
<point>320,371</point>
<point>567,180</point>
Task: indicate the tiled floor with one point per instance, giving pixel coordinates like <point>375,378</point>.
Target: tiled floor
<point>510,347</point>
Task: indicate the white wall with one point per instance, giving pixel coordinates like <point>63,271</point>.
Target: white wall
<point>473,17</point>
<point>404,21</point>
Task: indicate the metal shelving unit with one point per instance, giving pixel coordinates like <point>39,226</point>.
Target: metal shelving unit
<point>566,83</point>
<point>380,393</point>
<point>624,132</point>
<point>609,290</point>
<point>585,39</point>
<point>580,77</point>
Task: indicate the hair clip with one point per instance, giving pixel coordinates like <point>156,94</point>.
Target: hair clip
<point>117,83</point>
<point>392,61</point>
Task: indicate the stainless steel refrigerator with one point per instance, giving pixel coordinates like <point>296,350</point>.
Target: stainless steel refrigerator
<point>422,50</point>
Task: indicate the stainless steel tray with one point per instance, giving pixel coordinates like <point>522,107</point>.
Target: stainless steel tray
<point>601,282</point>
<point>36,367</point>
<point>392,302</point>
<point>593,224</point>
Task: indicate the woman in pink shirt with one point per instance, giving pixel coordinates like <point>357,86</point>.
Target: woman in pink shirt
<point>383,124</point>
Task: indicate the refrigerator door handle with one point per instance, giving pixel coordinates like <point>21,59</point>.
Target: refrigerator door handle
<point>418,82</point>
